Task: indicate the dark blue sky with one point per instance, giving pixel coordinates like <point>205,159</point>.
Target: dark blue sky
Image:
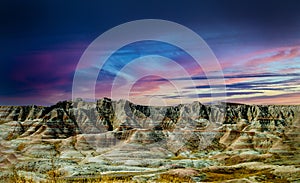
<point>42,41</point>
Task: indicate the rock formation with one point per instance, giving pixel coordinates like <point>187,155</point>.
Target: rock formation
<point>78,138</point>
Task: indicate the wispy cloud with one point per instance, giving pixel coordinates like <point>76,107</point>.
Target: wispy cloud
<point>46,76</point>
<point>284,98</point>
<point>282,54</point>
<point>208,95</point>
<point>258,75</point>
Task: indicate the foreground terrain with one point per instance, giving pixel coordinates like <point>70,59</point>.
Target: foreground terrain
<point>118,141</point>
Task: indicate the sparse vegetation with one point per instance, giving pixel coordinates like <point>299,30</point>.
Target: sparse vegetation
<point>21,146</point>
<point>173,178</point>
<point>14,177</point>
<point>258,175</point>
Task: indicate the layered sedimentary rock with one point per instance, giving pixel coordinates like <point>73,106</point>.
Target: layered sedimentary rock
<point>121,136</point>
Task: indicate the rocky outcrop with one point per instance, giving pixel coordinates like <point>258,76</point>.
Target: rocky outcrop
<point>79,138</point>
<point>239,126</point>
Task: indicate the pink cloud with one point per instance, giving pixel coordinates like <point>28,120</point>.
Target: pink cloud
<point>236,80</point>
<point>42,77</point>
<point>149,84</point>
<point>276,55</point>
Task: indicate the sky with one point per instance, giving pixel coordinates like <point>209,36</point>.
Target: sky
<point>256,43</point>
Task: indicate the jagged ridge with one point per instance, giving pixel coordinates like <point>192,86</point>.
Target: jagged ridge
<point>119,132</point>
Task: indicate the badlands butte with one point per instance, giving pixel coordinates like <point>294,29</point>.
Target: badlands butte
<point>77,141</point>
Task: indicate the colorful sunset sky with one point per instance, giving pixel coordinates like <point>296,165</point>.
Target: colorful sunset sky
<point>257,44</point>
